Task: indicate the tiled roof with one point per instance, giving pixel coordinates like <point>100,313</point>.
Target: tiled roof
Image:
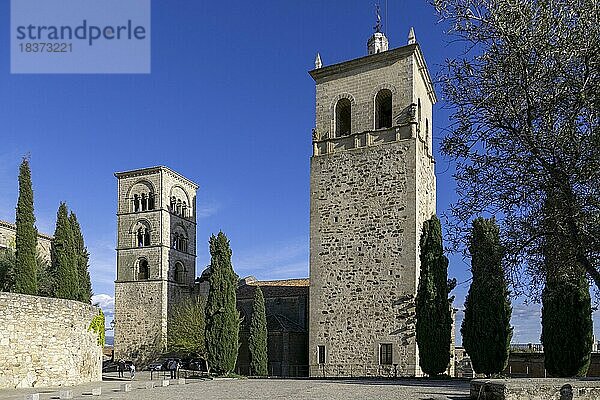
<point>282,288</point>
<point>284,282</point>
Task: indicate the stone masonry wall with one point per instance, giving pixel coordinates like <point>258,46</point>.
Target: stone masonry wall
<point>141,325</point>
<point>47,342</point>
<point>363,257</point>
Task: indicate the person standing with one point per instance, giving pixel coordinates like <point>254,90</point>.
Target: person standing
<point>132,370</point>
<point>121,367</point>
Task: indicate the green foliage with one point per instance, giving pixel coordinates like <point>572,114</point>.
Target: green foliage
<point>97,325</point>
<point>486,330</point>
<point>434,319</point>
<point>7,270</point>
<point>524,98</point>
<point>257,342</point>
<point>186,328</point>
<point>222,318</point>
<point>46,284</point>
<point>567,327</point>
<point>82,258</point>
<point>25,271</point>
<point>566,305</point>
<point>64,263</point>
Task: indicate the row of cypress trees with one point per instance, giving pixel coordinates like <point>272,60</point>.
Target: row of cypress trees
<point>566,306</point>
<point>486,331</point>
<point>67,276</point>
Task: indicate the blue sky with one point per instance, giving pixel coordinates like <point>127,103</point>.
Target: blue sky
<point>230,105</point>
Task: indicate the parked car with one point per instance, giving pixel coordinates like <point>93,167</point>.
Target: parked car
<point>109,366</point>
<point>198,365</point>
<point>158,365</point>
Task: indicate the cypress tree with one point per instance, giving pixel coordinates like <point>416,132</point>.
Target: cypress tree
<point>82,259</point>
<point>222,318</point>
<point>434,318</point>
<point>25,272</point>
<point>486,330</point>
<point>566,304</point>
<point>567,326</point>
<point>64,263</point>
<point>257,343</point>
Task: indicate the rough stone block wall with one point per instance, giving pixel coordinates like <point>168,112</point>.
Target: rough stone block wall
<point>47,342</point>
<point>363,258</point>
<point>141,320</point>
<point>535,389</point>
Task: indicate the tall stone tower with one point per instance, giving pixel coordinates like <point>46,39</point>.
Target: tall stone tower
<point>372,185</point>
<point>156,257</point>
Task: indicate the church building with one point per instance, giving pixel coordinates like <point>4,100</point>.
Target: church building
<point>372,185</point>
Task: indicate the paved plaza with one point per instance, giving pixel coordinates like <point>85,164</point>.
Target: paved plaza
<point>232,389</point>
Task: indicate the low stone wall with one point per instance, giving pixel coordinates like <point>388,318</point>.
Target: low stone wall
<point>47,342</point>
<point>535,389</point>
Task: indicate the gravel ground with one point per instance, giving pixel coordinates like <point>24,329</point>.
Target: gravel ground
<point>233,389</point>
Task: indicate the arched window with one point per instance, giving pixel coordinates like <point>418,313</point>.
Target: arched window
<point>179,272</point>
<point>143,270</point>
<point>383,109</point>
<point>343,117</point>
<point>184,209</point>
<point>173,201</point>
<point>178,207</point>
<point>140,237</point>
<point>142,196</point>
<point>146,237</point>
<point>150,201</point>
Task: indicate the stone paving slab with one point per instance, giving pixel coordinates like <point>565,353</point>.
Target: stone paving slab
<point>234,389</point>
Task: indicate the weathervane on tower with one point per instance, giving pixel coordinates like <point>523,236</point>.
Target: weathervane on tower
<point>378,42</point>
<point>378,25</point>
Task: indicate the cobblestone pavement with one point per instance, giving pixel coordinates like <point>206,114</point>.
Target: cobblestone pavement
<point>234,389</point>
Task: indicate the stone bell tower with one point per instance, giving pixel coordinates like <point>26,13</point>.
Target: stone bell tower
<point>156,257</point>
<point>372,185</point>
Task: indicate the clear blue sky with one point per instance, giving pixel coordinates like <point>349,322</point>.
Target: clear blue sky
<point>230,105</point>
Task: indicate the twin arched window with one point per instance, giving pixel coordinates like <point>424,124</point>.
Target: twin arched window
<point>179,207</point>
<point>143,237</point>
<point>382,117</point>
<point>143,202</point>
<point>180,242</point>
